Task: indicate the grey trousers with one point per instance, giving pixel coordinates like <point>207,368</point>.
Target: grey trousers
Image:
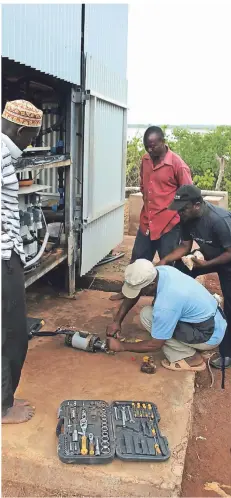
<point>173,350</point>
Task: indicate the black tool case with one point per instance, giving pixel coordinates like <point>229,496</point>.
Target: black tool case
<point>126,429</point>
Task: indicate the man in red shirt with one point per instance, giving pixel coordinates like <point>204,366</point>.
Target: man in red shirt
<point>162,172</point>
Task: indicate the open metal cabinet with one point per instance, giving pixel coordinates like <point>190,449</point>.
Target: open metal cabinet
<point>104,165</point>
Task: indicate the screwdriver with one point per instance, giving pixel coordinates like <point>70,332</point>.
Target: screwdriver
<point>144,412</point>
<point>150,409</point>
<point>138,409</point>
<point>156,445</point>
<point>134,410</point>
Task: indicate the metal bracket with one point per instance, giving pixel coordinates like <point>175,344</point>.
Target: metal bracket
<point>80,224</point>
<point>78,96</point>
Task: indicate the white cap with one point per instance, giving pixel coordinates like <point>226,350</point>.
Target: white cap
<point>137,276</point>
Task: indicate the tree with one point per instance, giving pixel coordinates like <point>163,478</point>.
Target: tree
<point>135,151</point>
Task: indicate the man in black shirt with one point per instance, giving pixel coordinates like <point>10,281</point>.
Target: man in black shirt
<point>210,227</point>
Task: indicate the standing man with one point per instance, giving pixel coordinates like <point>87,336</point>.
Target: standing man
<point>162,173</point>
<point>21,122</point>
<point>210,227</point>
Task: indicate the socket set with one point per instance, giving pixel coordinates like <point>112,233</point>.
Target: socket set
<point>95,432</point>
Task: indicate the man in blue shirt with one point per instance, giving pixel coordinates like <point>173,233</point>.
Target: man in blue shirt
<point>184,319</point>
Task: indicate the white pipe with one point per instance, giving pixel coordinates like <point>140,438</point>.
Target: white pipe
<point>42,248</point>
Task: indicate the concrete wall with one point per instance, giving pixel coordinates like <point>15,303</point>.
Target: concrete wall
<point>136,202</point>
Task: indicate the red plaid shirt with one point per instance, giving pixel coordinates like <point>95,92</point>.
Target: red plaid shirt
<point>158,185</point>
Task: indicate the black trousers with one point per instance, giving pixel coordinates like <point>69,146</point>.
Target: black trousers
<point>14,328</point>
<point>145,248</point>
<point>224,274</point>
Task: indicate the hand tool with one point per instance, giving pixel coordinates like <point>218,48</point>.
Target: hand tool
<point>144,410</point>
<point>91,444</point>
<point>123,416</point>
<point>130,414</point>
<point>116,412</point>
<point>83,425</point>
<point>148,365</point>
<point>76,448</point>
<point>138,409</point>
<point>150,411</point>
<point>134,409</point>
<point>156,445</point>
<point>75,433</point>
<point>97,450</point>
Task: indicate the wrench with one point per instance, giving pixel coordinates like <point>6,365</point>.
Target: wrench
<point>130,415</point>
<point>123,416</point>
<point>97,450</point>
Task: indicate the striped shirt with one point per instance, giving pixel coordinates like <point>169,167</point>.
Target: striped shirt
<point>10,220</point>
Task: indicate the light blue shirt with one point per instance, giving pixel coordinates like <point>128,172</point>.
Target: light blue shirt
<point>181,298</point>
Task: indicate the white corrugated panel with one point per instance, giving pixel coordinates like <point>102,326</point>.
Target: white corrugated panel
<point>106,32</point>
<point>102,80</point>
<point>104,180</point>
<point>100,237</point>
<point>46,37</point>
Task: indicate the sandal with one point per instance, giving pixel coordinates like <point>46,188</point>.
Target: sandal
<point>180,365</point>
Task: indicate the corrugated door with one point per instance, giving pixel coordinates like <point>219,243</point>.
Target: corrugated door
<point>104,164</point>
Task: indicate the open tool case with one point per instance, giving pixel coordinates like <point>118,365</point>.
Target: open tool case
<point>94,432</point>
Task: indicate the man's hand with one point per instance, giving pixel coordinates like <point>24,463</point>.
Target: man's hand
<point>114,345</point>
<point>114,330</point>
<point>199,263</point>
<point>161,262</point>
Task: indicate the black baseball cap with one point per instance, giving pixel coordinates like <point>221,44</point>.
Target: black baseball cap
<point>185,194</point>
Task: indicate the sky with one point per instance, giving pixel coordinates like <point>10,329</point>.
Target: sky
<point>179,62</point>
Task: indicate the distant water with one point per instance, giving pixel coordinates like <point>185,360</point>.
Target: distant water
<point>132,132</point>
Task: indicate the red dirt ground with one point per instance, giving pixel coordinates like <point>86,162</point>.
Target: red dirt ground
<point>209,460</point>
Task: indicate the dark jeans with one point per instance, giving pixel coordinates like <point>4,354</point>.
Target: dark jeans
<point>14,328</point>
<point>224,274</point>
<point>145,248</point>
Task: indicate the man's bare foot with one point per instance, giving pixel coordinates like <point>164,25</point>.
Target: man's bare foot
<point>117,297</point>
<point>21,402</point>
<point>195,360</point>
<point>18,414</point>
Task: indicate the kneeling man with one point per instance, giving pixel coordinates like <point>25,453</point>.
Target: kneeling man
<point>184,319</point>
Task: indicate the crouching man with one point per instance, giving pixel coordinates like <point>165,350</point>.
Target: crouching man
<point>185,318</point>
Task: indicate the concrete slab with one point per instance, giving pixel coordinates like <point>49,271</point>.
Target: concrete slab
<point>53,372</point>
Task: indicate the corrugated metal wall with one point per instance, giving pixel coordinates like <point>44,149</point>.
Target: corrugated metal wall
<point>106,28</point>
<point>101,236</point>
<point>46,37</point>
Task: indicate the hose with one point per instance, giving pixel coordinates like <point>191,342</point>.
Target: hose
<point>42,248</point>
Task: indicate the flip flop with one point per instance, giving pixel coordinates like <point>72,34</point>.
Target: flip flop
<point>180,365</point>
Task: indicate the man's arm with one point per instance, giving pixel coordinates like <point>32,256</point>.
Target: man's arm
<point>135,347</point>
<point>222,233</point>
<point>178,253</point>
<point>115,327</point>
<point>223,259</point>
